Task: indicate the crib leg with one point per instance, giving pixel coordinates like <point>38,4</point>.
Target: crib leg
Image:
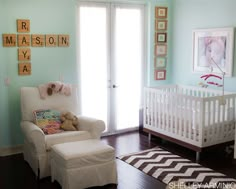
<point>149,137</point>
<point>198,157</point>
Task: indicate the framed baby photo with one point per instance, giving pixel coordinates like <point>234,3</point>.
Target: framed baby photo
<point>160,50</point>
<point>160,62</point>
<point>213,50</point>
<point>161,37</point>
<point>161,12</point>
<point>161,25</point>
<point>160,74</point>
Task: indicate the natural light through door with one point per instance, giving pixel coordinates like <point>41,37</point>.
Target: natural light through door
<point>128,59</point>
<point>111,51</point>
<point>93,61</point>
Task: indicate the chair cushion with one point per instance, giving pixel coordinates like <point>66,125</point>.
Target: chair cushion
<point>66,136</point>
<point>82,153</point>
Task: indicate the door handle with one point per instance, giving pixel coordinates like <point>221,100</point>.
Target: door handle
<point>115,86</point>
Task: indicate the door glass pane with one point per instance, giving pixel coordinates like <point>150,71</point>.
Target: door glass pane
<point>93,61</point>
<point>128,59</point>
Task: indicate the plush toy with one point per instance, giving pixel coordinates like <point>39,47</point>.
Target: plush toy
<point>66,89</point>
<point>51,88</point>
<point>69,121</point>
<point>54,87</point>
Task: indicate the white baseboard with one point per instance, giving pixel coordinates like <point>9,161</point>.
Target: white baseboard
<point>11,150</point>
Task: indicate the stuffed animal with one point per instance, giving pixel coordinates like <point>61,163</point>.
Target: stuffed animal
<point>51,88</point>
<point>66,89</point>
<point>54,87</point>
<point>69,121</point>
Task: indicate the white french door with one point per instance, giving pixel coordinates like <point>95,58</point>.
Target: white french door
<point>111,60</point>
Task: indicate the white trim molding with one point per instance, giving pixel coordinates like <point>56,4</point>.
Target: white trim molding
<point>6,151</point>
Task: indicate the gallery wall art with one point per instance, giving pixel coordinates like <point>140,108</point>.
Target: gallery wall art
<point>161,39</point>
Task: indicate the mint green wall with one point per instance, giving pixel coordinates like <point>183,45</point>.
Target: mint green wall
<point>48,64</point>
<point>3,89</point>
<point>46,17</point>
<point>188,15</point>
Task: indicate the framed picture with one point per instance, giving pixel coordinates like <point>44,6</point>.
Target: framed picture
<point>161,37</point>
<point>213,50</point>
<point>160,62</point>
<point>161,12</point>
<point>161,25</point>
<point>160,50</point>
<point>160,74</point>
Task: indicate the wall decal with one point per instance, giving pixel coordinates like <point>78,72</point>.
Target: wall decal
<point>24,68</point>
<point>24,54</point>
<point>9,40</point>
<point>35,40</point>
<point>23,26</point>
<point>63,40</point>
<point>23,40</point>
<point>51,40</point>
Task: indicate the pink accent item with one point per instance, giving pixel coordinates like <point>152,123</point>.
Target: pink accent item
<point>210,75</point>
<point>213,83</point>
<point>56,86</point>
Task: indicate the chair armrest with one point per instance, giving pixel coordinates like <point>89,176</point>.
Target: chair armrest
<point>92,125</point>
<point>34,135</point>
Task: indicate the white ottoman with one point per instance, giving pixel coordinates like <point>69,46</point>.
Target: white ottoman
<point>83,164</point>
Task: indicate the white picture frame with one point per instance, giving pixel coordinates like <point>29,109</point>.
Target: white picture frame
<point>213,44</point>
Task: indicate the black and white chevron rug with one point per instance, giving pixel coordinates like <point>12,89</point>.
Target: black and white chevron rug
<point>168,167</point>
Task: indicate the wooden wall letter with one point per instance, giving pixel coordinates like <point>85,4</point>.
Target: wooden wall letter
<point>23,40</point>
<point>37,40</point>
<point>63,40</point>
<point>9,40</point>
<point>51,40</point>
<point>24,54</point>
<point>23,26</point>
<point>24,68</point>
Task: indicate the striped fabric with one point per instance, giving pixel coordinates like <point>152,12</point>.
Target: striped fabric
<point>168,168</point>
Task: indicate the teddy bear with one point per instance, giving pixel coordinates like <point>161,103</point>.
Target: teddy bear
<point>69,121</point>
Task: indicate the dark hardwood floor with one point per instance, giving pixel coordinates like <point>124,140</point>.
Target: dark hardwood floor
<point>15,173</point>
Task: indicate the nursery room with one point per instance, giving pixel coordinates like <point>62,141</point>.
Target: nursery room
<point>135,94</point>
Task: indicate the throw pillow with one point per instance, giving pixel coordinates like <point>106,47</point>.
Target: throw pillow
<point>48,120</point>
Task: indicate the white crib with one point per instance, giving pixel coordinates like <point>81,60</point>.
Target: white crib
<point>190,116</point>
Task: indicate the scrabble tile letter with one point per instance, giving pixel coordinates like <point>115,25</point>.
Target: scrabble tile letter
<point>51,40</point>
<point>24,54</point>
<point>9,40</point>
<point>23,26</point>
<point>23,40</point>
<point>37,40</point>
<point>64,40</point>
<point>24,68</point>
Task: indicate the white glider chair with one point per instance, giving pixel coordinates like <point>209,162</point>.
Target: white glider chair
<point>37,145</point>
